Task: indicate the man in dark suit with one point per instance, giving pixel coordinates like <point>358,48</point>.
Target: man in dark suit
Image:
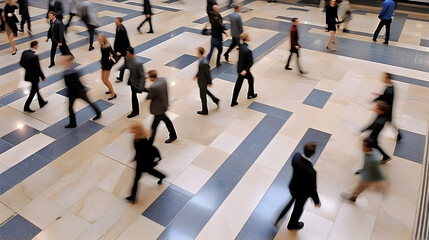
<point>236,30</point>
<point>302,186</point>
<point>121,43</point>
<point>147,11</point>
<point>218,28</point>
<point>137,80</point>
<point>204,80</point>
<point>56,34</point>
<point>245,62</point>
<point>294,45</point>
<point>75,90</point>
<point>57,7</point>
<point>25,15</point>
<point>158,94</point>
<point>388,97</point>
<point>30,62</point>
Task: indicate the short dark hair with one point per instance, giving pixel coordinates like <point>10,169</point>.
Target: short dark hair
<point>152,74</point>
<point>389,75</point>
<point>236,6</point>
<point>130,50</point>
<point>294,19</point>
<point>53,13</point>
<point>310,149</point>
<point>201,50</point>
<point>33,43</point>
<point>120,19</point>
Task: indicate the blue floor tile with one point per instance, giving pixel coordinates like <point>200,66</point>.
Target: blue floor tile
<point>170,1</point>
<point>226,43</point>
<point>224,68</point>
<point>272,111</point>
<point>20,134</point>
<point>265,47</point>
<point>143,60</point>
<point>284,18</point>
<point>228,77</point>
<point>397,25</point>
<point>268,24</point>
<point>194,216</point>
<point>297,9</point>
<point>4,146</point>
<point>182,61</point>
<point>167,205</point>
<point>18,228</point>
<point>411,146</point>
<point>317,98</point>
<point>424,43</point>
<point>260,224</point>
<point>58,130</point>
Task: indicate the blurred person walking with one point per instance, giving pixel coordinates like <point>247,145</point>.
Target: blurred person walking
<point>9,18</point>
<point>56,34</point>
<point>236,30</point>
<point>294,45</point>
<point>331,20</point>
<point>121,44</point>
<point>204,78</point>
<point>147,11</point>
<point>107,61</point>
<point>25,15</point>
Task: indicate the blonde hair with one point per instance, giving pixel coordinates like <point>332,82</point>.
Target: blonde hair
<point>244,36</point>
<point>104,42</point>
<point>10,2</point>
<point>138,130</point>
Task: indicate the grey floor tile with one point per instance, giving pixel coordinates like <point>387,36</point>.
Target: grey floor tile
<point>297,9</point>
<point>228,77</point>
<point>267,24</point>
<point>409,80</point>
<point>411,146</point>
<point>317,98</point>
<point>424,43</point>
<point>20,134</point>
<point>273,111</point>
<point>182,61</point>
<point>4,146</point>
<point>18,228</point>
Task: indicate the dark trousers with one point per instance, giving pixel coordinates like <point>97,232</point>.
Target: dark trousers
<point>383,22</point>
<point>84,97</point>
<point>34,90</point>
<point>234,42</point>
<point>134,100</point>
<point>157,119</point>
<point>239,83</point>
<point>91,31</point>
<point>139,172</point>
<point>69,21</point>
<point>297,210</point>
<point>297,59</point>
<point>215,43</point>
<point>376,146</point>
<point>25,17</point>
<point>64,51</point>
<point>203,95</point>
<point>149,19</point>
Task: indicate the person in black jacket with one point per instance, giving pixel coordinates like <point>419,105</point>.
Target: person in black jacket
<point>245,62</point>
<point>33,73</point>
<point>209,8</point>
<point>75,90</point>
<point>204,80</point>
<point>147,11</point>
<point>8,16</point>
<point>25,15</point>
<point>331,20</point>
<point>302,186</point>
<point>56,34</point>
<point>145,157</point>
<point>57,7</point>
<point>217,29</point>
<point>121,44</point>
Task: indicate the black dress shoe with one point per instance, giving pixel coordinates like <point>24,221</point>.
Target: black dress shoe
<point>218,64</point>
<point>150,32</point>
<point>160,181</point>
<point>374,40</point>
<point>97,117</point>
<point>288,68</point>
<point>131,199</point>
<point>138,29</point>
<point>51,65</point>
<point>217,103</point>
<point>398,137</point>
<point>111,98</point>
<point>297,226</point>
<point>170,140</point>
<point>118,79</point>
<point>21,30</point>
<point>359,171</point>
<point>28,110</point>
<point>91,48</point>
<point>226,57</point>
<point>43,104</point>
<point>131,115</point>
<point>70,126</point>
<point>203,113</point>
<point>252,96</point>
<point>233,104</point>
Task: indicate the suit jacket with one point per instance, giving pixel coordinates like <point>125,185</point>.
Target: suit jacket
<point>146,154</point>
<point>30,62</point>
<point>236,24</point>
<point>56,32</point>
<point>147,8</point>
<point>88,13</point>
<point>204,76</point>
<point>121,40</point>
<point>245,58</point>
<point>376,126</point>
<point>137,76</point>
<point>294,38</point>
<point>210,4</point>
<point>74,86</point>
<point>217,25</point>
<point>304,179</point>
<point>158,93</point>
<point>57,8</point>
<point>23,6</point>
<point>387,97</point>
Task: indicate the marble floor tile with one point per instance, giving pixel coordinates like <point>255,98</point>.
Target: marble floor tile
<point>42,212</point>
<point>60,229</point>
<point>142,226</point>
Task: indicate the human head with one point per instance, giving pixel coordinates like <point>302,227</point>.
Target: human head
<point>102,39</point>
<point>332,2</point>
<point>245,37</point>
<point>381,107</point>
<point>34,44</point>
<point>152,75</point>
<point>236,8</point>
<point>200,52</point>
<point>51,15</point>
<point>310,149</point>
<point>216,8</point>
<point>138,130</point>
<point>118,21</point>
<point>295,21</point>
<point>387,78</point>
<point>130,52</point>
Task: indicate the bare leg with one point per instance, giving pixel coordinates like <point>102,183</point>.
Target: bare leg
<point>105,77</point>
<point>331,40</point>
<point>12,43</point>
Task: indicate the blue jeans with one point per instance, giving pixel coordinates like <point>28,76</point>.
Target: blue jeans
<point>215,43</point>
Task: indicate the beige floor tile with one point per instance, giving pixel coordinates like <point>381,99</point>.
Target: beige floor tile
<point>60,229</point>
<point>42,212</point>
<point>142,226</point>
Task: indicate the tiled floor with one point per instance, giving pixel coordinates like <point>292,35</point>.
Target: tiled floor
<point>228,172</point>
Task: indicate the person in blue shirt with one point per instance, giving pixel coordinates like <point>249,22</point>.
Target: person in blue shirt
<point>385,17</point>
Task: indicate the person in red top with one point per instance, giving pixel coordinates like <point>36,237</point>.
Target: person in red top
<point>294,45</point>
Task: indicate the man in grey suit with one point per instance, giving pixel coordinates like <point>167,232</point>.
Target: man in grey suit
<point>158,93</point>
<point>204,80</point>
<point>236,30</point>
<point>136,80</point>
